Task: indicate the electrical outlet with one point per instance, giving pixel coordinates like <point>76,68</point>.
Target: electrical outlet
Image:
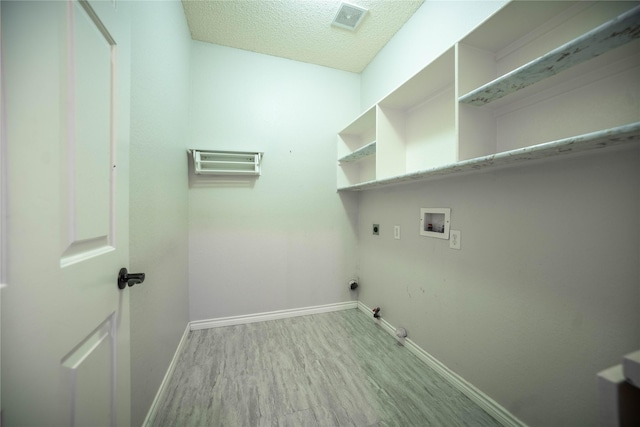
<point>454,239</point>
<point>376,229</point>
<point>396,232</point>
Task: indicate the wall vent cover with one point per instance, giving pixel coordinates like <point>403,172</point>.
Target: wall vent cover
<point>207,162</point>
<point>349,16</point>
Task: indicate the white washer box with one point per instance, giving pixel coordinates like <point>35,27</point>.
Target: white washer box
<point>435,222</point>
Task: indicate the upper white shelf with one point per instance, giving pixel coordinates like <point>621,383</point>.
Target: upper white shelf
<point>365,122</point>
<point>360,153</point>
<point>604,38</point>
<point>606,138</point>
<point>427,83</point>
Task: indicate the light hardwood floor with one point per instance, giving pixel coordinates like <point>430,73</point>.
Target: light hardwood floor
<point>333,369</point>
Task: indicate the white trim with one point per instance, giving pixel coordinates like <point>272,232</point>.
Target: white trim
<point>148,421</point>
<point>492,407</point>
<point>272,315</point>
<point>380,321</point>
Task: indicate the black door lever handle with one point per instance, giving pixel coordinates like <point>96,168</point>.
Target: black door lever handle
<point>125,278</point>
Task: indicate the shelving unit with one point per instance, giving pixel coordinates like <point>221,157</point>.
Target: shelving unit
<point>357,150</point>
<point>615,137</point>
<point>605,38</point>
<point>537,79</point>
<point>416,122</point>
<point>536,90</point>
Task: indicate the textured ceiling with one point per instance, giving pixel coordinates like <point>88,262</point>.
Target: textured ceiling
<point>299,29</point>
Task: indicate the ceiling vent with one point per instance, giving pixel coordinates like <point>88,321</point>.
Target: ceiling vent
<point>349,16</point>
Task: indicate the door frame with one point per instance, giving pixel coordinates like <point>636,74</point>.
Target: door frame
<point>3,203</point>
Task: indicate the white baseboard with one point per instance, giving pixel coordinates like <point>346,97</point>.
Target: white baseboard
<point>148,421</point>
<point>490,406</point>
<point>380,321</point>
<point>272,315</point>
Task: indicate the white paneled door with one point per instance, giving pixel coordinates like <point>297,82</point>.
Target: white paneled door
<point>65,323</point>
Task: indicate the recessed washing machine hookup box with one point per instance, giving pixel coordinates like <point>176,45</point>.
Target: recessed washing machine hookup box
<point>434,222</point>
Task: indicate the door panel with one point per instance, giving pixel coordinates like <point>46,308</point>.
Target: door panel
<point>91,379</point>
<point>90,137</point>
<point>65,324</point>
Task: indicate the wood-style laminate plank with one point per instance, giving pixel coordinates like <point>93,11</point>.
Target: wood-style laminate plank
<point>333,369</point>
